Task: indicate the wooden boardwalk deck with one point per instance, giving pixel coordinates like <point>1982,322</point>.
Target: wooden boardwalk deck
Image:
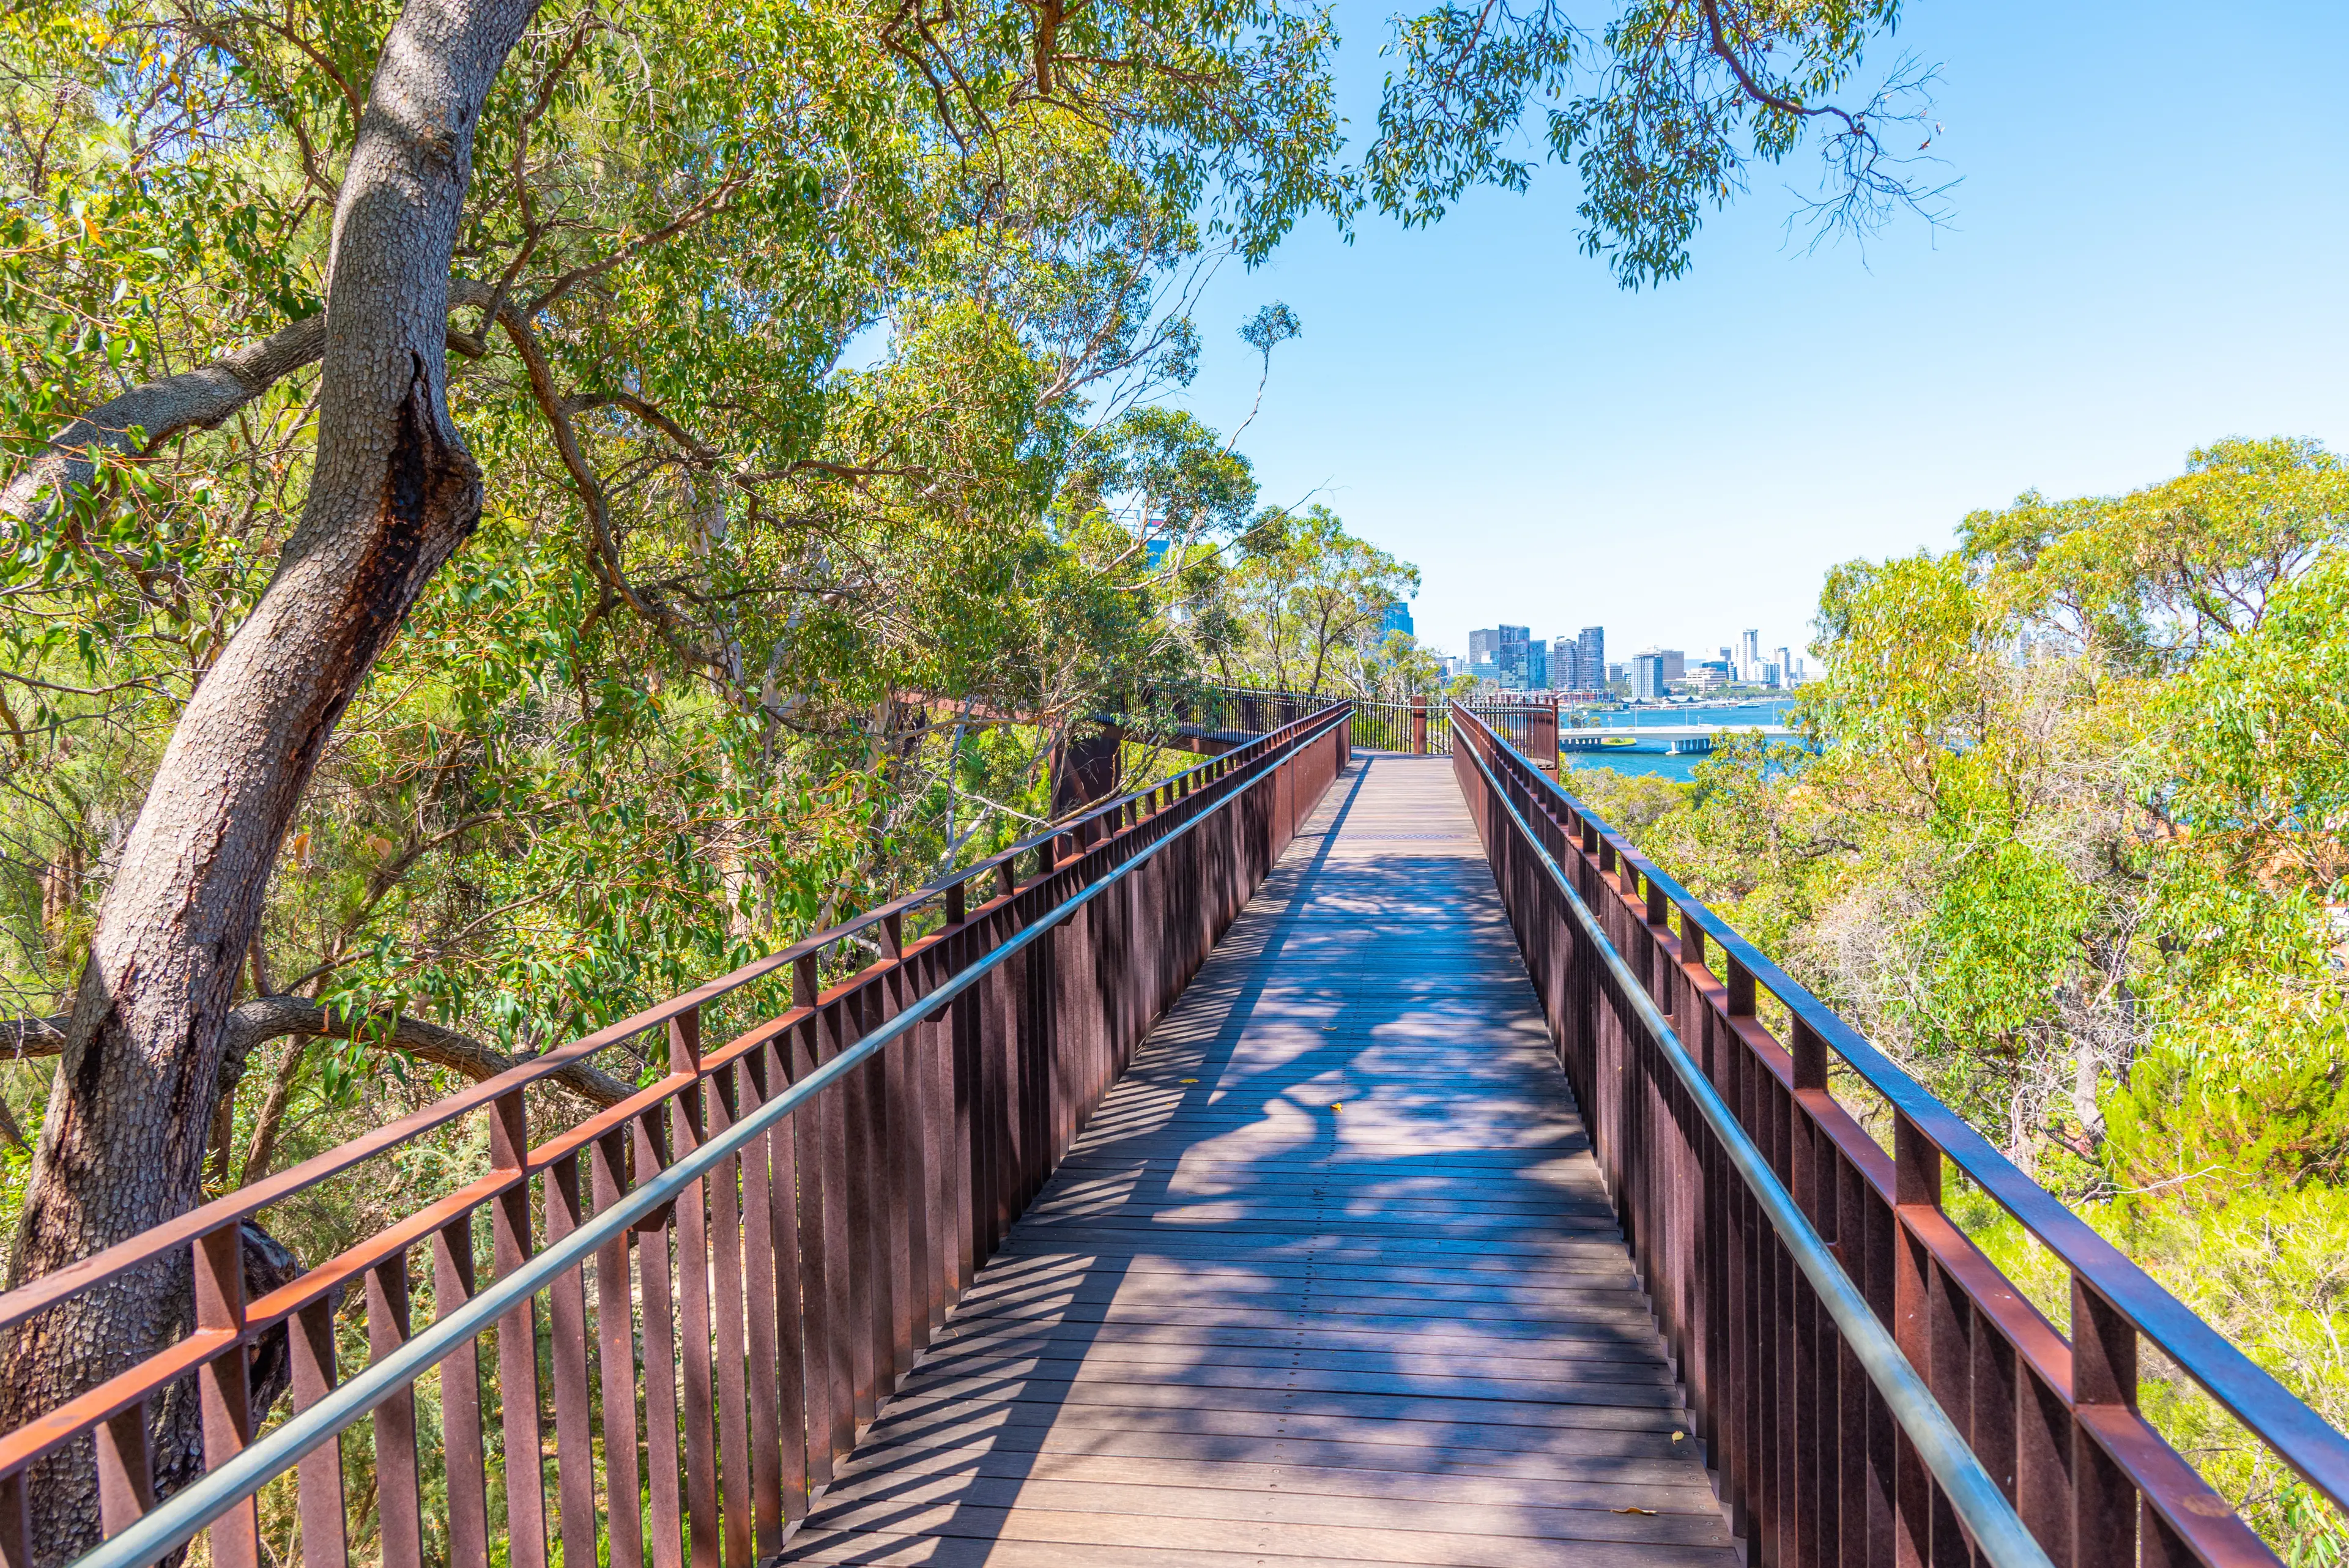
<point>1329,1280</point>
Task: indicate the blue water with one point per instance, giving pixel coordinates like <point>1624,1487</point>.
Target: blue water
<point>1653,758</point>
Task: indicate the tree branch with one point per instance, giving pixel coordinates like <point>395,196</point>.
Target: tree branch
<point>194,399</point>
<point>714,201</point>
<point>256,1022</point>
<point>1726,50</point>
<point>172,405</point>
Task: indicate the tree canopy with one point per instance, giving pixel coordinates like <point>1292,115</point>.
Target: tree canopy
<point>2074,849</point>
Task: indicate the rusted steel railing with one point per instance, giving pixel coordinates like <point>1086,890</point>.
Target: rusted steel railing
<point>1423,725</point>
<point>1807,1455</point>
<point>1241,710</point>
<point>720,1277</point>
<point>1385,725</point>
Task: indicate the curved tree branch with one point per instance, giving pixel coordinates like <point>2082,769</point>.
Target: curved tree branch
<point>170,406</point>
<point>255,1023</point>
<point>194,399</point>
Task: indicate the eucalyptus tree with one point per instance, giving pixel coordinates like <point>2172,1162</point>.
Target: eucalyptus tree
<point>1305,599</point>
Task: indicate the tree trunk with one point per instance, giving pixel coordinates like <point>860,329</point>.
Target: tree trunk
<point>393,494</point>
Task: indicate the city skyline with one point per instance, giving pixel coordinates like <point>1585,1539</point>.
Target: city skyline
<point>1618,445</point>
<point>1766,646</point>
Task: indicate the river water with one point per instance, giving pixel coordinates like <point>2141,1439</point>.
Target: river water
<point>1651,757</point>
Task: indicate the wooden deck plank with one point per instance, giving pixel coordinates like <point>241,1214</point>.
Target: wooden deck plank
<point>1329,1278</point>
<point>989,1461</point>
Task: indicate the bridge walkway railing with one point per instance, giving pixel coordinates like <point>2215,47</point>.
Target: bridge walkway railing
<point>1698,1111</point>
<point>652,1332</point>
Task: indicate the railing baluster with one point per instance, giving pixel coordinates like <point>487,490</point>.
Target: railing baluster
<point>972,1160</point>
<point>615,1339</point>
<point>574,1437</point>
<point>126,1470</point>
<point>225,1385</point>
<point>899,1082</point>
<point>1856,1499</point>
<point>2104,1374</point>
<point>664,1470</point>
<point>941,1226</point>
<point>762,1288</point>
<point>398,1501</point>
<point>705,1546</point>
<point>509,1232</point>
<point>828,1422</point>
<point>1916,1175</point>
<point>460,1402</point>
<point>15,1523</point>
<point>864,1234</point>
<point>727,1311</point>
<point>318,1485</point>
<point>845,1329</point>
<point>1951,1333</point>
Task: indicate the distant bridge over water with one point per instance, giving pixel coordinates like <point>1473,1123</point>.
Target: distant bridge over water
<point>1680,740</point>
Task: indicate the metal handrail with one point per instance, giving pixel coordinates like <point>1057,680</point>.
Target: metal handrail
<point>1998,1531</point>
<point>174,1521</point>
<point>2294,1432</point>
<point>59,1285</point>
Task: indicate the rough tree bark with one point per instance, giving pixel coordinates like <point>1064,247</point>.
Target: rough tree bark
<point>392,496</point>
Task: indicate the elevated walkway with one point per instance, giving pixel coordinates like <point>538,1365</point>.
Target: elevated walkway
<point>1311,1160</point>
<point>1331,1276</point>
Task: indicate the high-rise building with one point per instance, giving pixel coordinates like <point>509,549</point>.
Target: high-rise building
<point>1396,620</point>
<point>1511,655</point>
<point>1591,659</point>
<point>1648,674</point>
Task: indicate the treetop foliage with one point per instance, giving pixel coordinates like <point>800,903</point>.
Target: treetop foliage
<point>2075,851</point>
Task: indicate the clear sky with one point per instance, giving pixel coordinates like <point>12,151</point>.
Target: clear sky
<point>2148,251</point>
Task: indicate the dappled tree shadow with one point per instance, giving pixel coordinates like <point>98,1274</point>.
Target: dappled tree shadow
<point>1332,1258</point>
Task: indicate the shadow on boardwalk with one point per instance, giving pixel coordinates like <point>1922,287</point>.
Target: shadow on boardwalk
<point>1330,1277</point>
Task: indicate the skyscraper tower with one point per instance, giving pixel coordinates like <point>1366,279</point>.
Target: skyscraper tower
<point>1511,655</point>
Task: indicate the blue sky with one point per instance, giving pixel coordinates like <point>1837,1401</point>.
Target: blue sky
<point>2146,252</point>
